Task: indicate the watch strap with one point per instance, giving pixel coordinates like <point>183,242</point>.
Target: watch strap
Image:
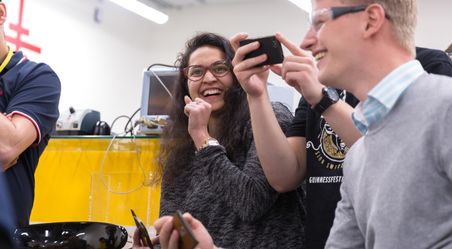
<point>325,102</point>
<point>208,142</point>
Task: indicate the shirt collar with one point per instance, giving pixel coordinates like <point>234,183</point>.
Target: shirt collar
<point>388,90</point>
<point>16,59</point>
<point>382,98</point>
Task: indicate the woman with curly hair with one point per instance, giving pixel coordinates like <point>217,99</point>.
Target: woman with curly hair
<point>209,161</point>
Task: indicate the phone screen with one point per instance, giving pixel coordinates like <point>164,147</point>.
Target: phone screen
<point>144,236</point>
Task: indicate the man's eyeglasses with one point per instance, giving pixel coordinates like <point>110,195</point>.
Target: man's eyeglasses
<point>197,72</point>
<point>319,17</point>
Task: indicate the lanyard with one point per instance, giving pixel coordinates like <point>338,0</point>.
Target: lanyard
<point>7,60</point>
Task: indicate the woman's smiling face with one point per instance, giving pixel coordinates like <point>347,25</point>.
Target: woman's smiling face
<point>210,88</point>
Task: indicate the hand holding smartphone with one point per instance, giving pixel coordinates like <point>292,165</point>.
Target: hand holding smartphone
<point>144,236</point>
<point>187,239</point>
<point>268,45</point>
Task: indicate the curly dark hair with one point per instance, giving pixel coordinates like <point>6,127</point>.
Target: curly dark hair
<point>177,147</point>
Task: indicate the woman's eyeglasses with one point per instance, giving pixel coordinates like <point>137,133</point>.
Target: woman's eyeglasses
<point>197,72</point>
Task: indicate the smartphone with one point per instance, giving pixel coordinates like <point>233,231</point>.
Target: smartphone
<point>144,236</point>
<point>187,239</point>
<point>268,45</point>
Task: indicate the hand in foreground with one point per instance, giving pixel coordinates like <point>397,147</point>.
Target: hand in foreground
<point>252,79</point>
<point>300,71</point>
<point>137,244</point>
<point>169,237</point>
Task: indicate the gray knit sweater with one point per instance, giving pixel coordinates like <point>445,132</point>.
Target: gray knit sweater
<point>397,188</point>
<point>233,199</point>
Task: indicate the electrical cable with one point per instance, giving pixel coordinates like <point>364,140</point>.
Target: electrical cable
<point>116,119</point>
<point>130,121</point>
<point>158,78</point>
<point>159,64</point>
<point>126,131</point>
<point>101,171</point>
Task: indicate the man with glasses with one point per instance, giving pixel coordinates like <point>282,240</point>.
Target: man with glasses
<point>313,150</point>
<point>380,206</point>
<point>397,189</point>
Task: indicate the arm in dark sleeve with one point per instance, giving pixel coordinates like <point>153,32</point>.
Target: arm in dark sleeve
<point>434,61</point>
<point>6,216</point>
<point>298,126</point>
<point>37,96</point>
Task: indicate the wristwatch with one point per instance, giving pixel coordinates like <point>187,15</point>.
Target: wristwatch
<point>209,142</point>
<point>329,97</point>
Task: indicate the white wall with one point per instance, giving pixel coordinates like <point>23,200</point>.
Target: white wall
<point>100,64</point>
<point>434,23</point>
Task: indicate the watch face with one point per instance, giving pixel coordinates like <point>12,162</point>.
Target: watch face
<point>332,94</point>
<point>212,141</point>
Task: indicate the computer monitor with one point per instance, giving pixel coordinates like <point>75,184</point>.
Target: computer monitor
<point>158,85</point>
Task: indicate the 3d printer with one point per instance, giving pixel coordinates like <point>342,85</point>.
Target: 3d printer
<point>77,122</point>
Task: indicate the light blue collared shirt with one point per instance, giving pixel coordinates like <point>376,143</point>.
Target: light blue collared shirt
<point>382,98</point>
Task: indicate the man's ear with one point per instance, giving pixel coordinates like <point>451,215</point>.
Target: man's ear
<point>2,13</point>
<point>375,19</point>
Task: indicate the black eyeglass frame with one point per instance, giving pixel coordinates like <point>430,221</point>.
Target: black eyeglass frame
<point>336,12</point>
<point>340,11</point>
<point>333,13</point>
<point>209,68</point>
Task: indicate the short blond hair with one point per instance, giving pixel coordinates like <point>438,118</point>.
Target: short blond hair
<point>403,16</point>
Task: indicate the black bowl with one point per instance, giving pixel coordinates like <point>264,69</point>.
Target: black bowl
<point>71,235</point>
